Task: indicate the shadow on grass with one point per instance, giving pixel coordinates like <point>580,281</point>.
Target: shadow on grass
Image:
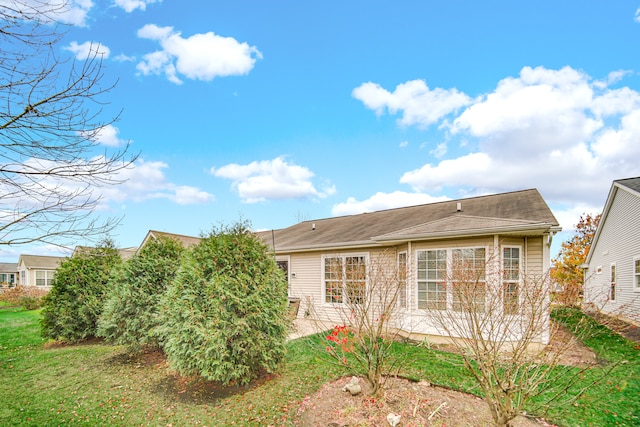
<point>174,387</point>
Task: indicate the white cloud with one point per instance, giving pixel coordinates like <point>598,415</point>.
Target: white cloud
<point>73,12</point>
<point>381,201</point>
<point>271,179</point>
<point>146,180</point>
<point>124,58</point>
<point>637,15</point>
<point>404,144</point>
<point>131,5</point>
<point>108,135</point>
<point>198,57</point>
<point>88,49</point>
<point>556,130</point>
<point>419,105</point>
<point>440,151</point>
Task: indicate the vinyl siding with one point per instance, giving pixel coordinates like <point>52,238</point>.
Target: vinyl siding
<point>618,242</point>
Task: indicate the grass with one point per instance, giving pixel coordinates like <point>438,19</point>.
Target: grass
<point>98,385</point>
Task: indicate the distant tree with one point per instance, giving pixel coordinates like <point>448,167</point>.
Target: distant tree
<point>74,303</point>
<point>51,167</point>
<point>225,316</point>
<point>131,312</point>
<point>566,271</point>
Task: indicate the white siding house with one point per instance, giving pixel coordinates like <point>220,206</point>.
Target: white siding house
<point>612,275</point>
<point>38,270</point>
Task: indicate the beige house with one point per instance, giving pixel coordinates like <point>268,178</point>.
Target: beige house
<point>511,232</point>
<point>8,274</point>
<point>37,270</point>
<point>187,241</point>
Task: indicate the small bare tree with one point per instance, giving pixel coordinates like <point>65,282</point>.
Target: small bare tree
<point>368,294</point>
<point>50,163</point>
<point>498,319</point>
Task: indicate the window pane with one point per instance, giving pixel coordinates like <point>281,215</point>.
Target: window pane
<point>511,298</point>
<point>432,292</point>
<point>40,278</point>
<point>511,263</point>
<point>402,279</point>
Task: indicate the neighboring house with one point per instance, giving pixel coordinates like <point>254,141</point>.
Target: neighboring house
<point>612,275</point>
<point>187,241</point>
<point>37,270</point>
<point>518,227</point>
<point>8,274</point>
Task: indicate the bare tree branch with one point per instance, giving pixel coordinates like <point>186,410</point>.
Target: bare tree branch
<point>52,168</point>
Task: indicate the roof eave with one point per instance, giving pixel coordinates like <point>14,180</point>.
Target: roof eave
<point>531,229</point>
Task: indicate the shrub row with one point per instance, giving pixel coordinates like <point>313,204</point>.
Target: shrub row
<point>218,309</point>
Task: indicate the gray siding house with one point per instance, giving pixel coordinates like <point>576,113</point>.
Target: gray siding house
<point>612,275</point>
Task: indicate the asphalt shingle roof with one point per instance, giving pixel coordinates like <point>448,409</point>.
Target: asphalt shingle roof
<point>519,210</point>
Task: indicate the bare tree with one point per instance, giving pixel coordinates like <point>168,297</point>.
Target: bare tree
<point>51,165</point>
<point>368,293</point>
<point>498,319</point>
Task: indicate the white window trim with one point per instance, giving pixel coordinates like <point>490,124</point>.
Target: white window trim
<point>406,279</point>
<point>49,275</point>
<point>449,260</point>
<point>322,279</point>
<point>519,282</point>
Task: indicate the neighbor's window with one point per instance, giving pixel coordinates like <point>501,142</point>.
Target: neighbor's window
<point>510,279</point>
<point>432,282</point>
<point>402,279</point>
<point>636,272</point>
<point>612,281</point>
<point>345,275</point>
<point>44,277</point>
<point>468,279</point>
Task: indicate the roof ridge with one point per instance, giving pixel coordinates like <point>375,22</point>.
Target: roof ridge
<point>419,205</point>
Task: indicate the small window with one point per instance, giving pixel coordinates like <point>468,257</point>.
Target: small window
<point>432,286</point>
<point>612,283</point>
<point>345,279</point>
<point>510,280</point>
<point>402,279</point>
<point>44,277</point>
<point>636,273</point>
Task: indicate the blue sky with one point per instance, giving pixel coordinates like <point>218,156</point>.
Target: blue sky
<point>282,111</point>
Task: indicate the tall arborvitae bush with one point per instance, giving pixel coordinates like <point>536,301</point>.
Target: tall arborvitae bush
<point>224,317</point>
<point>130,315</point>
<point>72,307</point>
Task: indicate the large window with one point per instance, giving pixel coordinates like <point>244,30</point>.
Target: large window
<point>511,279</point>
<point>432,282</point>
<point>345,279</point>
<point>44,277</point>
<point>612,282</point>
<point>402,279</point>
<point>636,273</point>
<point>7,279</point>
<point>468,279</point>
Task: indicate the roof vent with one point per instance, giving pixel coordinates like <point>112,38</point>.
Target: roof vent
<point>313,226</point>
<point>459,207</point>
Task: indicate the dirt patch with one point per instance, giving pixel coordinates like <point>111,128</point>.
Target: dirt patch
<point>417,403</point>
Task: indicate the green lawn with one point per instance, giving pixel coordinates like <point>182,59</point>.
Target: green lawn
<point>98,385</point>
